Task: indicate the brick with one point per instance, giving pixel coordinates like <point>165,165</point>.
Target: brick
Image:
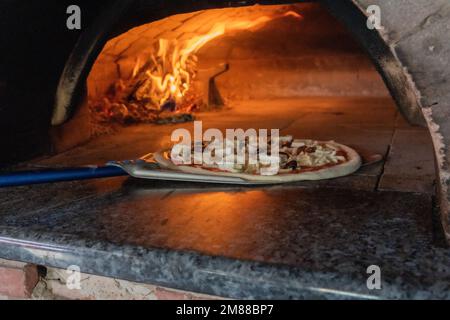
<point>164,294</point>
<point>410,164</point>
<point>205,19</point>
<point>184,16</point>
<point>17,280</point>
<point>168,24</point>
<point>93,287</point>
<point>168,294</point>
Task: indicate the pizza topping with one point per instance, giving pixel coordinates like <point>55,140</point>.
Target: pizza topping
<point>284,159</point>
<point>297,143</point>
<point>294,156</point>
<point>292,165</point>
<point>286,141</point>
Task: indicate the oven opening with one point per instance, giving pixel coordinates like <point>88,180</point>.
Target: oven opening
<point>159,73</point>
<point>290,67</point>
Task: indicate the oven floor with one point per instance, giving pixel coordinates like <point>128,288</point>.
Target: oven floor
<point>279,242</point>
<point>370,125</point>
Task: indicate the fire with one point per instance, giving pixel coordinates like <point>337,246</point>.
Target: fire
<point>164,80</point>
<point>173,67</point>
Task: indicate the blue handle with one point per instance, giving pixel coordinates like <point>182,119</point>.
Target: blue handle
<point>38,177</point>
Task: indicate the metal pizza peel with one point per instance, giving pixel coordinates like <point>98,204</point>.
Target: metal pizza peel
<point>144,168</point>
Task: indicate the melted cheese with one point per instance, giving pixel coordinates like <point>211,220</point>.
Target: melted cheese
<point>322,155</point>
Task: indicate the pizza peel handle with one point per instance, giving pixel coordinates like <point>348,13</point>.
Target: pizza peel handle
<point>23,178</point>
<point>143,168</point>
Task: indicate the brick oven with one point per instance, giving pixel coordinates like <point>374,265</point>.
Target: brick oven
<point>139,69</point>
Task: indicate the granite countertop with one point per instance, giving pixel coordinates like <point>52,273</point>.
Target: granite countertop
<point>279,242</point>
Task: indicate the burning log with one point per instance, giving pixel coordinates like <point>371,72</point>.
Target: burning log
<point>162,83</point>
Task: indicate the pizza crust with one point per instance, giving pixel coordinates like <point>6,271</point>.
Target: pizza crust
<point>352,165</point>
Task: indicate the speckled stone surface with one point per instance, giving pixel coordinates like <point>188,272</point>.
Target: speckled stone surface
<point>265,243</point>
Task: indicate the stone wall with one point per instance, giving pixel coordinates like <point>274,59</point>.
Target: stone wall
<point>17,279</point>
<point>54,286</point>
<point>26,281</point>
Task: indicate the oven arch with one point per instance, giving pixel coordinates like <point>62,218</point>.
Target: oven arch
<point>402,65</point>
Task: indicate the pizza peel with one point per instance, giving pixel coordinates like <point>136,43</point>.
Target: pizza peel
<point>147,168</point>
<point>143,168</point>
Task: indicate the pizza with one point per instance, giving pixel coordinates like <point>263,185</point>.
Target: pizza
<point>299,159</point>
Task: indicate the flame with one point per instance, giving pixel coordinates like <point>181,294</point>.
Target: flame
<point>168,75</point>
